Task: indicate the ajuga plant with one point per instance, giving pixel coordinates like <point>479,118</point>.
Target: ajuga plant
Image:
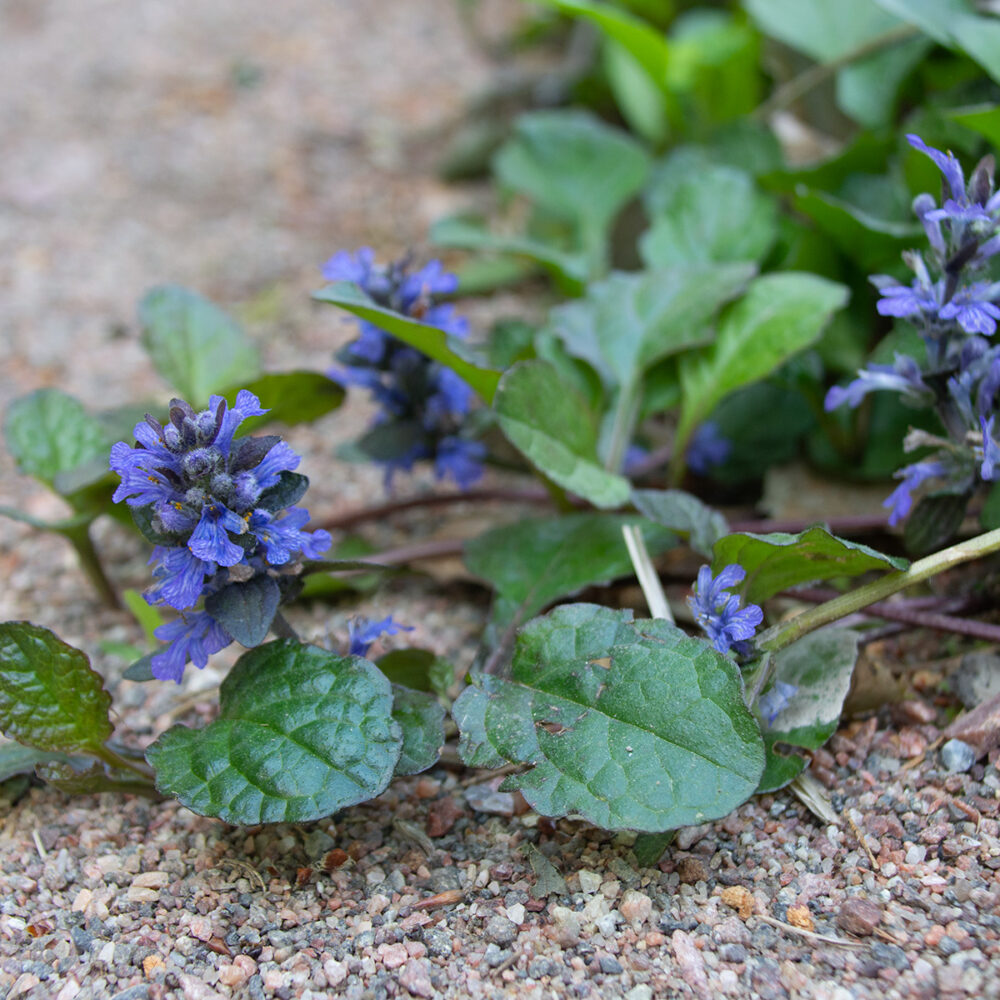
<point>627,722</point>
<point>422,403</point>
<point>954,367</point>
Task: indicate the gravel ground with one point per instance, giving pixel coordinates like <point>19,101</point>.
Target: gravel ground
<point>233,147</point>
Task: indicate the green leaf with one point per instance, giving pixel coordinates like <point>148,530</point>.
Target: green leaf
<point>301,733</point>
<point>467,234</point>
<point>421,720</point>
<point>629,725</point>
<point>956,24</point>
<point>716,214</point>
<point>778,561</point>
<point>549,422</point>
<point>141,671</point>
<point>533,562</point>
<point>287,491</point>
<point>575,167</point>
<point>649,847</point>
<point>145,614</point>
<point>412,668</point>
<point>49,433</point>
<point>193,344</point>
<point>641,101</point>
<point>935,521</point>
<point>628,322</point>
<point>429,340</point>
<point>92,777</point>
<point>686,514</point>
<point>983,118</point>
<point>820,665</point>
<point>50,698</point>
<point>644,43</point>
<point>779,316</point>
<point>15,758</point>
<point>246,609</point>
<point>298,397</point>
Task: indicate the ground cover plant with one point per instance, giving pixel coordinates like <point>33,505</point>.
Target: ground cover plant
<point>671,368</point>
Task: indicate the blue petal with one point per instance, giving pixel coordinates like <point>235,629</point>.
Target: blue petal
<point>193,639</point>
<point>210,539</point>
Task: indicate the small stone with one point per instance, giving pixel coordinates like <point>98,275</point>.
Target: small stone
<point>336,972</point>
<point>515,913</point>
<point>610,966</point>
<point>242,968</point>
<point>957,756</point>
<point>442,816</point>
<point>500,931</point>
<point>590,882</point>
<point>949,946</point>
<point>152,964</point>
<point>690,962</point>
<point>919,712</point>
<point>640,992</point>
<point>416,977</point>
<point>732,953</point>
<point>859,916</point>
<point>635,907</point>
<point>565,925</point>
<point>732,930</point>
<point>688,836</point>
<point>195,989</point>
<point>915,854</point>
<point>691,870</point>
<point>495,955</point>
<point>392,956</point>
<point>486,799</point>
<point>980,728</point>
<point>201,929</point>
<point>152,880</point>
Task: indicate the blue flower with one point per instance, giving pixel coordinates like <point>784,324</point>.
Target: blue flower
<point>282,537</point>
<point>708,449</point>
<point>193,638</point>
<point>461,459</point>
<point>720,614</point>
<point>362,632</point>
<point>775,700</point>
<point>900,501</point>
<point>971,307</point>
<point>991,452</point>
<point>181,576</point>
<point>903,376</point>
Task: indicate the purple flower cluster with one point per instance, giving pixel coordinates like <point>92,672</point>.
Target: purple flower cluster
<point>423,404</point>
<point>954,302</point>
<point>219,510</point>
<point>721,615</point>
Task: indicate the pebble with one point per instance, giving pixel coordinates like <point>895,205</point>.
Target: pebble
<point>859,916</point>
<point>392,956</point>
<point>590,882</point>
<point>636,907</point>
<point>500,930</point>
<point>690,962</point>
<point>415,976</point>
<point>640,992</point>
<point>957,756</point>
<point>566,925</point>
<point>486,799</point>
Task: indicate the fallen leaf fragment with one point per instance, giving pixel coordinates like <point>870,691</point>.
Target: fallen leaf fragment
<point>799,916</point>
<point>740,899</point>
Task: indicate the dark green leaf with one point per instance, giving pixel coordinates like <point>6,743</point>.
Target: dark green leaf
<point>778,561</point>
<point>686,514</point>
<point>533,562</point>
<point>393,440</point>
<point>429,340</point>
<point>421,719</point>
<point>143,518</point>
<point>141,671</point>
<point>194,345</point>
<point>649,847</point>
<point>989,516</point>
<point>549,422</point>
<point>298,397</point>
<point>301,733</point>
<point>629,725</point>
<point>286,492</point>
<point>49,433</point>
<point>16,758</point>
<point>717,214</point>
<point>628,322</point>
<point>245,610</point>
<point>820,665</point>
<point>934,522</point>
<point>779,316</point>
<point>983,118</point>
<point>411,668</point>
<point>50,698</point>
<point>90,778</point>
